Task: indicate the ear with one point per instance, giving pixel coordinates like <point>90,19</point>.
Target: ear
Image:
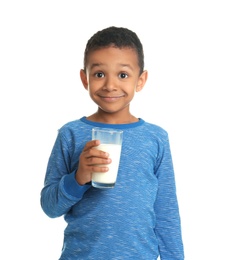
<point>142,81</point>
<point>83,77</point>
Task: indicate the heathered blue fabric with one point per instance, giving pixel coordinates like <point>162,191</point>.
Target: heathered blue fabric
<point>138,219</point>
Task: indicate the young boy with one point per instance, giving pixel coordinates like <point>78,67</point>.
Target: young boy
<point>138,218</point>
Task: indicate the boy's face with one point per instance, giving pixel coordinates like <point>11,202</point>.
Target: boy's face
<point>112,77</point>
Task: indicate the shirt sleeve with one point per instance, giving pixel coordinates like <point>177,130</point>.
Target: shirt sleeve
<point>168,224</point>
<point>61,190</point>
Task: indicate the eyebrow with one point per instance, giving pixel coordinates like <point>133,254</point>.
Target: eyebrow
<point>96,65</point>
<point>127,65</point>
<point>121,65</point>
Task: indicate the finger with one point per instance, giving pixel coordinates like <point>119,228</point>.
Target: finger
<point>98,161</point>
<point>91,144</point>
<point>99,169</point>
<point>93,152</point>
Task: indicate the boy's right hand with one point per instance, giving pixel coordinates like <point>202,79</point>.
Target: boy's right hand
<point>89,161</point>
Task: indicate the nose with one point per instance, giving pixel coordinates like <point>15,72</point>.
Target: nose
<point>109,84</point>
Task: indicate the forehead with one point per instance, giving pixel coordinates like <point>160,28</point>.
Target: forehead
<point>115,55</point>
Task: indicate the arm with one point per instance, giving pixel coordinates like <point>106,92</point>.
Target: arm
<point>61,190</point>
<point>168,227</point>
<point>65,186</point>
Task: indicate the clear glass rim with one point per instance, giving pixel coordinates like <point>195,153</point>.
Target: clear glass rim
<point>101,129</point>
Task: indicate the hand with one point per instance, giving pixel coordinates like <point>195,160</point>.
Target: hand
<point>90,160</point>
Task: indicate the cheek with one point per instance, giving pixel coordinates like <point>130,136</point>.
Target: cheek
<point>95,85</point>
<point>92,88</point>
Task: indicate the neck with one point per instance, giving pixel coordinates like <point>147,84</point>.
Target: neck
<point>112,119</point>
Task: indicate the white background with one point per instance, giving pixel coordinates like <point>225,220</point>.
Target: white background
<point>189,55</point>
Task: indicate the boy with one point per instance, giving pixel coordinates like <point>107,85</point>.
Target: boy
<point>139,217</point>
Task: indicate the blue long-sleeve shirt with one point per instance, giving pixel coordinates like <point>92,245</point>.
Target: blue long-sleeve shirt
<point>137,219</point>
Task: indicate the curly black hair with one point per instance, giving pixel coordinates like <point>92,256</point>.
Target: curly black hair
<point>118,37</point>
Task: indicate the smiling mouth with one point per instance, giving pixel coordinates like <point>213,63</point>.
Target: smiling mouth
<point>111,98</point>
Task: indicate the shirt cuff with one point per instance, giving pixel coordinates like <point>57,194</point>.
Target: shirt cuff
<point>72,187</point>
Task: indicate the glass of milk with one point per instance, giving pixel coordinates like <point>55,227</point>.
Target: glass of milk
<point>110,142</point>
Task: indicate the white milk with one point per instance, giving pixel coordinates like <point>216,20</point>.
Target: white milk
<point>110,176</point>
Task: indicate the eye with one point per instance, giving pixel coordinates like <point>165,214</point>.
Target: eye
<point>99,74</point>
<point>123,75</point>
